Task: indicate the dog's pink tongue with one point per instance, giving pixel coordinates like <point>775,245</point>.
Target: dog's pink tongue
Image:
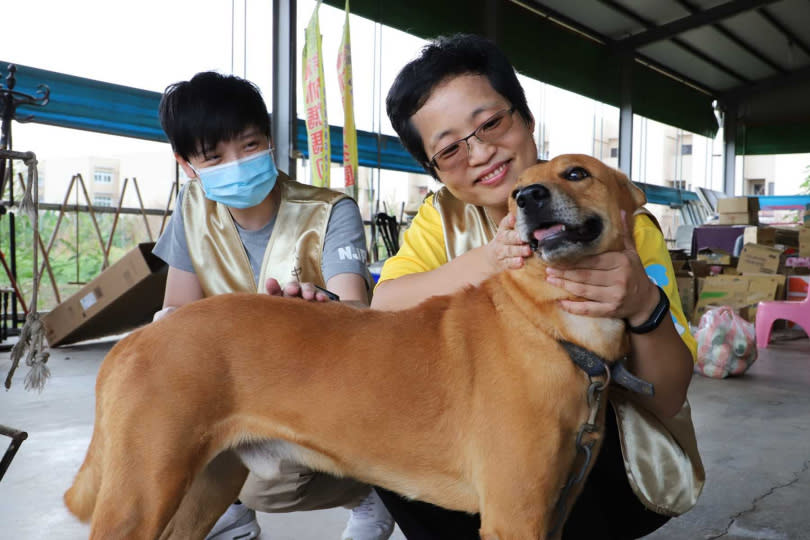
<point>540,234</point>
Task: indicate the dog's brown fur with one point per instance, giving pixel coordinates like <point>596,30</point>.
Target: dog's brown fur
<point>466,401</point>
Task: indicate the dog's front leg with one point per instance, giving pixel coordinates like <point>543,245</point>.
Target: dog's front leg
<point>520,486</point>
<point>216,487</point>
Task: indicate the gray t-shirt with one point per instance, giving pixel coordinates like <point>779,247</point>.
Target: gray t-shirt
<point>344,247</point>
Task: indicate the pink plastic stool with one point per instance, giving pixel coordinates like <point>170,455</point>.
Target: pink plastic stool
<point>770,312</point>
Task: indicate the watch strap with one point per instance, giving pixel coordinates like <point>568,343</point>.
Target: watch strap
<point>658,314</point>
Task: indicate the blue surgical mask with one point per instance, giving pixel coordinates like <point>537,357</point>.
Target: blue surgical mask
<point>242,183</point>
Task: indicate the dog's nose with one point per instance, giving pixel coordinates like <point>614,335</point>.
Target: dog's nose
<point>535,193</point>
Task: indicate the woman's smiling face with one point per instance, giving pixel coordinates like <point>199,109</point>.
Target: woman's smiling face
<point>454,110</point>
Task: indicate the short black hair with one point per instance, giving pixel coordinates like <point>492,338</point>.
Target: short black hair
<point>445,57</point>
<point>208,109</point>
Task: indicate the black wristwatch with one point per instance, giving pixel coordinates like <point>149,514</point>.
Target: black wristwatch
<point>656,317</point>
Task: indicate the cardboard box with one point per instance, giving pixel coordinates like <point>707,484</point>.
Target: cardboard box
<point>737,205</point>
<point>687,293</point>
<point>758,259</point>
<point>680,260</point>
<point>804,242</point>
<point>795,237</point>
<point>759,235</point>
<point>786,236</point>
<point>737,218</point>
<point>124,296</point>
<point>738,292</point>
<point>715,256</point>
<point>700,268</point>
<point>685,281</point>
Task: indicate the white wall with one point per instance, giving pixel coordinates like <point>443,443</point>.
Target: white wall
<point>787,171</point>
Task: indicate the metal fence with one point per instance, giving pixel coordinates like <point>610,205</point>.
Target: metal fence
<point>75,241</point>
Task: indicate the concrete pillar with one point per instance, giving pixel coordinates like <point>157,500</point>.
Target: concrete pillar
<point>729,147</point>
<point>626,118</point>
<point>284,58</point>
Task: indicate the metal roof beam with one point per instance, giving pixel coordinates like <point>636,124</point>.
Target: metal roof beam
<point>792,37</point>
<point>627,12</point>
<point>695,20</point>
<point>728,34</point>
<point>766,85</point>
<point>535,6</point>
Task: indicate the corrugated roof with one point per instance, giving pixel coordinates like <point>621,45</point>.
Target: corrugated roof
<point>750,54</point>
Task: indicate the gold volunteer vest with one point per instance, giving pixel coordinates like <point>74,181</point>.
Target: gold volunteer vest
<point>293,252</point>
<point>661,457</point>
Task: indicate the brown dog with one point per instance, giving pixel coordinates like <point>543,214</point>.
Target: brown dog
<point>467,401</point>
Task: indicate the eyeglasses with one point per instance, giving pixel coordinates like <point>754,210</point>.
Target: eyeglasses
<point>491,130</point>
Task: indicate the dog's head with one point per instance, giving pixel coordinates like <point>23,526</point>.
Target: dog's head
<point>570,207</point>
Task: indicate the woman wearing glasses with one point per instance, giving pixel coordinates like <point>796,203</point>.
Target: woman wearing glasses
<point>461,112</point>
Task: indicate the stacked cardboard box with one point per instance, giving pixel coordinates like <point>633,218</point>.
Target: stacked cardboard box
<point>685,280</point>
<point>738,211</point>
<point>758,275</point>
<point>804,242</point>
<point>761,259</point>
<point>795,238</point>
<point>759,235</point>
<point>774,264</point>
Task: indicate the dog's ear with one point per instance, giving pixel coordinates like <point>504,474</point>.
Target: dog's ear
<point>636,194</point>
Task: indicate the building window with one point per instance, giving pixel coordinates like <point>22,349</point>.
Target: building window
<point>686,149</point>
<point>755,187</point>
<point>102,200</point>
<point>103,177</point>
<point>614,152</point>
<point>679,184</point>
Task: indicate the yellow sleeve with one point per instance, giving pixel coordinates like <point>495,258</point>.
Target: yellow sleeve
<point>422,246</point>
<point>654,255</point>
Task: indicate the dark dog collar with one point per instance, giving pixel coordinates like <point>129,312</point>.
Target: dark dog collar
<point>593,365</point>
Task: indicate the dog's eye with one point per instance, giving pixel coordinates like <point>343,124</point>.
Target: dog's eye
<point>515,193</point>
<point>575,174</point>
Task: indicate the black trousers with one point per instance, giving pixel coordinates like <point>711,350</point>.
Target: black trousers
<point>607,508</point>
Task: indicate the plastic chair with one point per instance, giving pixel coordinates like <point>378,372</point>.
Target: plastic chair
<point>769,312</point>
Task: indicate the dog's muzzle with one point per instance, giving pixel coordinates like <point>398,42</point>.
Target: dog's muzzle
<point>550,222</point>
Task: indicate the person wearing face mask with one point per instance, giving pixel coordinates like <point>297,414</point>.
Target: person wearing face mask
<point>460,111</point>
<point>239,225</point>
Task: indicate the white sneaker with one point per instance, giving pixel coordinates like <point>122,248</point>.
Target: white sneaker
<point>369,520</point>
<point>237,523</point>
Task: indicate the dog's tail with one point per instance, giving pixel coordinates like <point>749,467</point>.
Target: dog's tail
<point>80,499</point>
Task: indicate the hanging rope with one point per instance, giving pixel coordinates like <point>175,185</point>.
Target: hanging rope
<point>32,335</point>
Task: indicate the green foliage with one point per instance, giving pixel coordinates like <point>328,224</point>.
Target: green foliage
<point>804,187</point>
<point>76,255</point>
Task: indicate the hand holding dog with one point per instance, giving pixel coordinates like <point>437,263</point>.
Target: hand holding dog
<point>614,284</point>
<point>294,289</point>
<point>506,251</point>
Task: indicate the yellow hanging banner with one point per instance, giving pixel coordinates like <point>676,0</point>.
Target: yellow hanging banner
<point>344,69</point>
<point>315,103</point>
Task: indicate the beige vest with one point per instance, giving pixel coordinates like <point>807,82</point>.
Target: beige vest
<point>660,456</point>
<point>294,250</point>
